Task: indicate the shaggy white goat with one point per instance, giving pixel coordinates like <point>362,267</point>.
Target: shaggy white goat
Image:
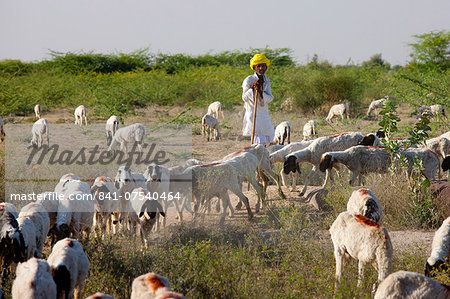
<point>377,104</point>
<point>338,110</point>
<point>364,202</point>
<point>39,129</point>
<point>37,111</point>
<point>440,249</point>
<point>310,130</point>
<point>210,124</point>
<point>112,125</point>
<point>70,266</point>
<point>34,280</point>
<point>404,284</point>
<point>282,133</point>
<point>128,136</point>
<point>280,155</point>
<point>358,237</point>
<point>215,108</point>
<point>313,153</point>
<point>80,113</point>
<point>37,213</point>
<point>106,202</point>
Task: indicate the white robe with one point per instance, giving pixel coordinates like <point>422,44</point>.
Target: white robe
<point>264,124</point>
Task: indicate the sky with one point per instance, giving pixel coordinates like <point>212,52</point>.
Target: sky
<point>340,31</point>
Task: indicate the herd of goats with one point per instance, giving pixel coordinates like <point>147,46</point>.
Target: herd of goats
<point>357,233</point>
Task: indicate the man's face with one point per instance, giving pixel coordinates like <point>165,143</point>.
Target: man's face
<point>260,69</point>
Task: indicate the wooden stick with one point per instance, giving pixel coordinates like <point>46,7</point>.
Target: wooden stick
<point>254,116</point>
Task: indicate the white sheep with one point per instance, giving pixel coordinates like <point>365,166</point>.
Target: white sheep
<point>37,111</point>
<point>440,145</point>
<point>99,295</point>
<point>437,110</point>
<point>310,130</point>
<point>39,129</point>
<point>70,266</point>
<point>404,284</point>
<point>210,124</point>
<point>338,110</point>
<point>37,213</point>
<point>112,125</point>
<point>215,108</point>
<point>10,208</point>
<point>28,231</point>
<point>2,129</point>
<point>80,113</point>
<point>148,286</point>
<point>128,136</point>
<point>33,280</point>
<point>377,104</point>
<point>358,237</point>
<point>313,153</point>
<point>280,155</point>
<point>364,202</point>
<point>106,202</point>
<point>282,133</point>
<point>440,249</point>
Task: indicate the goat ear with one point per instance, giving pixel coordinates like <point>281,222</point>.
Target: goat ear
<point>326,162</point>
<point>367,140</point>
<point>289,165</point>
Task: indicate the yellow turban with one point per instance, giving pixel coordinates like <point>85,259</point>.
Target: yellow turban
<point>258,59</point>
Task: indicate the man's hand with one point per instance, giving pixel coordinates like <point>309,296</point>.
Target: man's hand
<point>257,85</point>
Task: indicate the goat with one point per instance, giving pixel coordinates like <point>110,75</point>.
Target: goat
<point>364,202</point>
<point>282,133</point>
<point>338,110</point>
<point>37,111</point>
<point>440,250</point>
<point>215,108</point>
<point>106,202</point>
<point>39,129</point>
<point>80,113</point>
<point>310,130</point>
<point>374,105</point>
<point>41,224</point>
<point>209,124</point>
<point>130,135</point>
<point>112,125</point>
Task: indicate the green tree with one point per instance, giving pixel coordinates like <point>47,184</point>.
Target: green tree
<point>432,49</point>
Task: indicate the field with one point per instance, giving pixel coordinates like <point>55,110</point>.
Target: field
<point>285,251</point>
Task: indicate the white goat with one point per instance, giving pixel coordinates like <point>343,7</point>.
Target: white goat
<point>112,125</point>
<point>37,111</point>
<point>280,155</point>
<point>310,130</point>
<point>129,135</point>
<point>377,104</point>
<point>37,213</point>
<point>70,266</point>
<point>362,239</point>
<point>313,153</point>
<point>440,249</point>
<point>80,113</point>
<point>338,110</point>
<point>33,280</point>
<point>28,231</point>
<point>148,286</point>
<point>106,202</point>
<point>10,208</point>
<point>209,124</point>
<point>282,133</point>
<point>215,108</point>
<point>364,202</point>
<point>404,284</point>
<point>437,110</point>
<point>39,129</point>
<point>440,145</point>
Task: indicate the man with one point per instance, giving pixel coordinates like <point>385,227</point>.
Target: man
<point>259,83</point>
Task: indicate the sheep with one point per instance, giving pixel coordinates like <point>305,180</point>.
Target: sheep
<point>34,280</point>
<point>37,111</point>
<point>130,135</point>
<point>282,133</point>
<point>106,202</point>
<point>75,211</point>
<point>2,129</point>
<point>280,155</point>
<point>210,123</point>
<point>440,250</point>
<point>70,266</point>
<point>313,153</point>
<point>404,284</point>
<point>79,113</point>
<point>143,211</point>
<point>112,125</point>
<point>338,110</point>
<point>50,201</point>
<point>358,237</point>
<point>37,213</point>
<point>28,231</point>
<point>99,295</point>
<point>376,105</point>
<point>362,160</point>
<point>149,286</point>
<point>440,145</point>
<point>215,108</point>
<point>39,129</point>
<point>10,208</point>
<point>12,243</point>
<point>310,130</point>
<point>364,202</point>
<point>437,110</point>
